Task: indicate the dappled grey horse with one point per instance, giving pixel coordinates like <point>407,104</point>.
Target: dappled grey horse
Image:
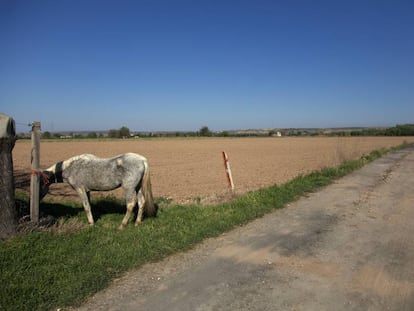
<point>87,173</point>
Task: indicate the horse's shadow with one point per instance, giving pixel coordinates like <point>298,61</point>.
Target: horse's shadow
<point>106,206</point>
<point>53,209</point>
<point>100,208</point>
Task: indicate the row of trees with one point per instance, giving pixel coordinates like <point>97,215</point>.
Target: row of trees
<point>398,130</point>
<point>49,135</point>
<point>124,132</point>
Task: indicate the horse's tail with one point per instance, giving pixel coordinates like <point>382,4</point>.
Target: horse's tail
<point>150,208</point>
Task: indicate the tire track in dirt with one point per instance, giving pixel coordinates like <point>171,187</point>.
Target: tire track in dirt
<point>391,207</point>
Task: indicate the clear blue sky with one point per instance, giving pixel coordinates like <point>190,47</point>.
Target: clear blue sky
<point>180,65</point>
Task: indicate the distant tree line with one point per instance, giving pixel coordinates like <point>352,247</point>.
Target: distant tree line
<point>49,135</point>
<point>398,130</point>
<point>124,132</point>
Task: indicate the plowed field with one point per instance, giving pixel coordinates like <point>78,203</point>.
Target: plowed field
<point>185,170</point>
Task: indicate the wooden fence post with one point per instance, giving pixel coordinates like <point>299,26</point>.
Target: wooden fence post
<point>228,171</point>
<point>35,178</point>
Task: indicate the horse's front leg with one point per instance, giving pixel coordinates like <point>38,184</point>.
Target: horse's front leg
<point>86,205</point>
<point>131,200</point>
<point>141,202</point>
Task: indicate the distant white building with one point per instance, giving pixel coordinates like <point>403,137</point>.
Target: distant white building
<point>276,134</point>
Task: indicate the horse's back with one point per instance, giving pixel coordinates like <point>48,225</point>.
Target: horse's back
<point>135,156</point>
<point>87,157</point>
<point>130,159</point>
<point>96,173</point>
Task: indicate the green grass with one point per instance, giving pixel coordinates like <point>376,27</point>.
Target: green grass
<point>52,269</point>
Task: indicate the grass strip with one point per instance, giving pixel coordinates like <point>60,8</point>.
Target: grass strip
<point>49,270</point>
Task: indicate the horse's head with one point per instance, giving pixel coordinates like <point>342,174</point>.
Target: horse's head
<point>45,178</point>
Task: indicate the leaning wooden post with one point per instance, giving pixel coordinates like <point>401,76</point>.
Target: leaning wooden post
<point>35,178</point>
<point>228,171</point>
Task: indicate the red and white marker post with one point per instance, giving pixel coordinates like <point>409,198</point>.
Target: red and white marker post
<point>228,171</point>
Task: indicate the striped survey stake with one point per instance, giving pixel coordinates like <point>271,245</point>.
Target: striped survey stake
<point>228,171</point>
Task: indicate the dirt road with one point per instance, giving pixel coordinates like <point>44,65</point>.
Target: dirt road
<point>349,246</point>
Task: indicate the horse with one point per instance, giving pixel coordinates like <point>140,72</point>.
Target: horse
<point>86,173</point>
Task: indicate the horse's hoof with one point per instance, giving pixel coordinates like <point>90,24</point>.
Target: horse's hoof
<point>121,227</point>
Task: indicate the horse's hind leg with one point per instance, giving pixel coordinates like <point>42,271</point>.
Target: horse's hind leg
<point>141,202</point>
<point>131,199</point>
<point>86,205</point>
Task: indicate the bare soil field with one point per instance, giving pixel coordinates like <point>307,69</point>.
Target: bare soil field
<point>187,170</point>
